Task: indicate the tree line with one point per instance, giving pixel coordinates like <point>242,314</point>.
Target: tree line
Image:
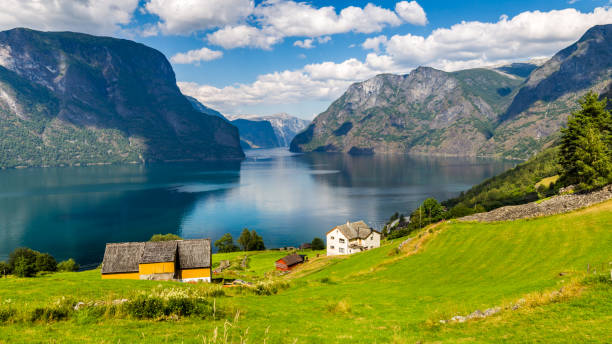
<point>25,262</point>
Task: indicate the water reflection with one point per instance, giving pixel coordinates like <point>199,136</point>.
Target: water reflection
<point>289,199</point>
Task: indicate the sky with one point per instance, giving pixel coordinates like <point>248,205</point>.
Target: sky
<point>270,56</point>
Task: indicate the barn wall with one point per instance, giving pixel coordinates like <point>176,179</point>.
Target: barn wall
<point>194,273</point>
<point>156,268</point>
<point>133,275</point>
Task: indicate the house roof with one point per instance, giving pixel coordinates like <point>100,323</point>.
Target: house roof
<point>292,259</point>
<point>125,257</point>
<point>194,254</point>
<point>355,230</point>
<point>159,252</point>
<point>122,257</point>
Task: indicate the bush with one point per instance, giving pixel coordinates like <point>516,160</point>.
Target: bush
<point>317,244</point>
<point>68,265</point>
<point>45,262</point>
<point>6,314</point>
<point>165,237</point>
<point>4,269</point>
<point>153,307</point>
<point>144,307</point>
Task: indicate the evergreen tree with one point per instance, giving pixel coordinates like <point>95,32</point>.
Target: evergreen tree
<point>317,244</point>
<point>586,145</point>
<point>245,240</point>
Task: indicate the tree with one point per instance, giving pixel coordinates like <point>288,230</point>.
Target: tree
<point>68,265</point>
<point>23,267</point>
<point>317,244</point>
<point>226,244</point>
<point>4,269</point>
<point>586,145</point>
<point>28,255</point>
<point>45,262</point>
<point>432,209</point>
<point>245,239</point>
<point>165,237</point>
<point>257,243</point>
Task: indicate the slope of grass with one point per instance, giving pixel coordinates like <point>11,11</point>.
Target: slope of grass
<point>379,296</point>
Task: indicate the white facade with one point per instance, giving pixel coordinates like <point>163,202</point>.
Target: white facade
<point>338,244</point>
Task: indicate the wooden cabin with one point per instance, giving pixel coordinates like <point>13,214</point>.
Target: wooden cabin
<point>183,260</point>
<point>289,262</point>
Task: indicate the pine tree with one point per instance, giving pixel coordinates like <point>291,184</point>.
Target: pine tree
<point>586,145</point>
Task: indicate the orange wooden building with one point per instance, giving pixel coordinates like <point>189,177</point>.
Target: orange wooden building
<point>184,260</point>
<point>290,262</point>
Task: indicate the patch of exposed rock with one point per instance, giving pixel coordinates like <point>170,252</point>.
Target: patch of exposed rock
<point>552,206</point>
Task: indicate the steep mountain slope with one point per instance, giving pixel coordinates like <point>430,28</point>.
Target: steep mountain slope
<point>69,98</point>
<point>551,92</point>
<point>203,108</point>
<point>426,111</point>
<point>285,126</point>
<point>256,134</point>
<point>471,112</point>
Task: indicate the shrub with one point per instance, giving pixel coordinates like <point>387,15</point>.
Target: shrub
<point>144,307</point>
<point>6,314</point>
<point>342,306</point>
<point>165,237</point>
<point>68,265</point>
<point>45,262</point>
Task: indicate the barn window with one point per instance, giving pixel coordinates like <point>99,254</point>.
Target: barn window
<point>341,241</point>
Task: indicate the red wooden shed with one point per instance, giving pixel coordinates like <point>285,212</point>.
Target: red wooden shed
<point>289,262</point>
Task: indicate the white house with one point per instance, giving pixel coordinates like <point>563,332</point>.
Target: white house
<point>350,238</point>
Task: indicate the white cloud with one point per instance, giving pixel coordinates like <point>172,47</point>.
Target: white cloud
<point>464,45</point>
<point>306,44</point>
<point>274,20</point>
<point>196,56</point>
<point>411,12</point>
<point>314,82</point>
<point>244,36</point>
<point>471,44</point>
<point>373,43</point>
<point>188,16</point>
<point>95,17</point>
<point>309,43</point>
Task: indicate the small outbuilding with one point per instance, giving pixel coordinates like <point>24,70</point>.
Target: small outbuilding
<point>290,262</point>
<point>183,260</point>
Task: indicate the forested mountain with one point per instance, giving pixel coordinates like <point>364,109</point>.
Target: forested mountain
<point>68,98</point>
<point>483,111</point>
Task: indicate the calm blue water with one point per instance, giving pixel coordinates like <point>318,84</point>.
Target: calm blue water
<point>288,199</point>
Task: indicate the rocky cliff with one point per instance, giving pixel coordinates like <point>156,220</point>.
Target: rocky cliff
<point>484,111</point>
<point>73,99</point>
<point>285,126</point>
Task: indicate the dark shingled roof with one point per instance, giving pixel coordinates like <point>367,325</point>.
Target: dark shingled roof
<point>159,252</point>
<point>122,257</point>
<point>194,254</point>
<point>292,259</point>
<point>355,230</point>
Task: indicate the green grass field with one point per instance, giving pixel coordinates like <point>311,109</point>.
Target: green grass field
<point>378,296</point>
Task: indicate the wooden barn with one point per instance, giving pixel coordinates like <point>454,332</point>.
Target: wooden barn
<point>183,260</point>
<point>289,262</point>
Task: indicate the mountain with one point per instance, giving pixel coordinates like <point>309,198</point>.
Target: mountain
<point>482,111</point>
<point>72,99</point>
<point>203,108</point>
<point>426,111</point>
<point>255,134</point>
<point>285,126</point>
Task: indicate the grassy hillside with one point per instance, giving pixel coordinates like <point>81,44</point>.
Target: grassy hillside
<point>515,186</point>
<point>376,296</point>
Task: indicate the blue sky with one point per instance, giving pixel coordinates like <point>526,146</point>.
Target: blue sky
<point>264,57</point>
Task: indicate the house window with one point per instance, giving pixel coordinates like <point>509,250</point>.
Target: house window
<point>332,238</point>
<point>341,241</point>
<point>331,247</point>
<point>341,250</point>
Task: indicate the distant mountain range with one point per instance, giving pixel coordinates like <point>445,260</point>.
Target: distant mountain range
<point>285,126</point>
<point>508,111</point>
<point>75,99</point>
